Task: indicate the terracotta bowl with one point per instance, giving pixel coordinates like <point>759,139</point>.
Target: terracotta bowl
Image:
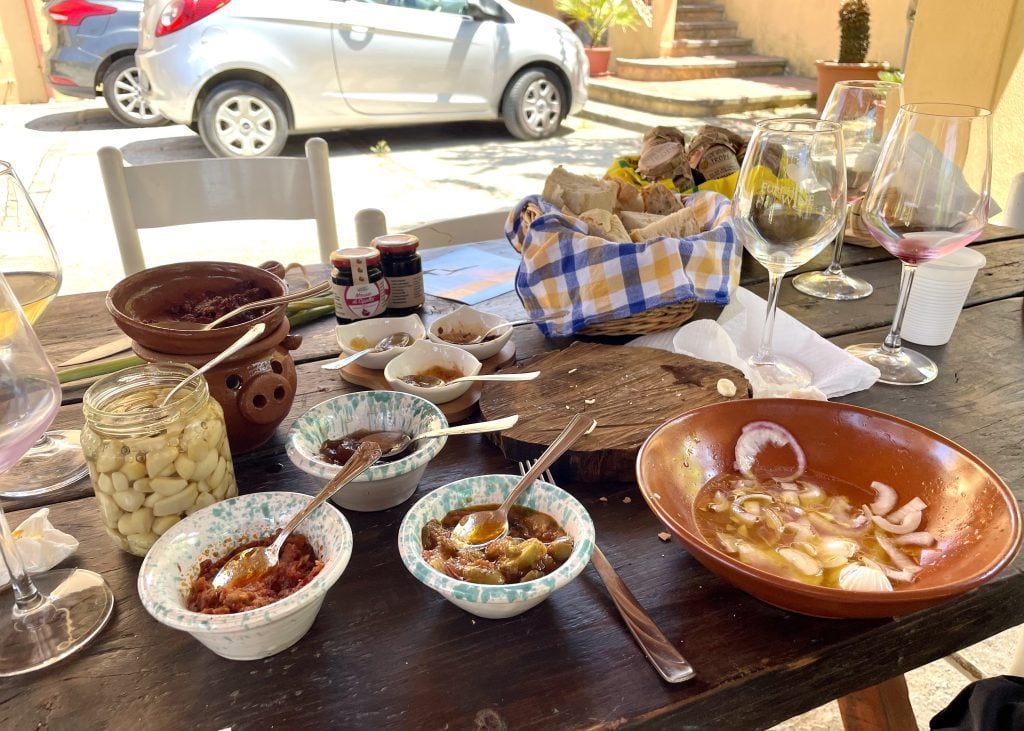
<point>971,512</point>
<point>147,294</point>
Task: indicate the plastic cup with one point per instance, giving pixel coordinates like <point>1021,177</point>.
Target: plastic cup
<point>938,295</point>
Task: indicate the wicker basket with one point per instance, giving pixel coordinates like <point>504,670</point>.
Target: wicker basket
<point>650,321</point>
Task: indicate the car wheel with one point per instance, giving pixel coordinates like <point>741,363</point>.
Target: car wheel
<point>534,105</point>
<point>243,119</point>
<point>122,89</point>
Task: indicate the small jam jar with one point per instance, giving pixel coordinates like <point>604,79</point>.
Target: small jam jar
<point>360,289</point>
<point>152,465</point>
<point>404,271</point>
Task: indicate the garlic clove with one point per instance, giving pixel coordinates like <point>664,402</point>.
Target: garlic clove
<point>858,577</point>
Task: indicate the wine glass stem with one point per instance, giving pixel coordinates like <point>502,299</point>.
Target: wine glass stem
<point>26,596</point>
<point>764,352</point>
<point>834,267</point>
<point>891,344</point>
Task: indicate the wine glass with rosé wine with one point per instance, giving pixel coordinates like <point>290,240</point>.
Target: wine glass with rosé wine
<point>54,614</point>
<point>928,196</point>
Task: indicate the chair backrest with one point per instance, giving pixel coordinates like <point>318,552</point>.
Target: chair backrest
<point>1013,215</point>
<point>219,189</point>
<point>464,230</point>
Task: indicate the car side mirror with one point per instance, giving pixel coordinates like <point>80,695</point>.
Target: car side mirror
<point>485,10</point>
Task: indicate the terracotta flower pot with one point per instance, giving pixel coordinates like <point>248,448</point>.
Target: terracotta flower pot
<point>599,58</point>
<point>831,72</point>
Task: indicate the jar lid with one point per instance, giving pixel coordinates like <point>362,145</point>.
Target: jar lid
<point>396,243</point>
<point>343,258</point>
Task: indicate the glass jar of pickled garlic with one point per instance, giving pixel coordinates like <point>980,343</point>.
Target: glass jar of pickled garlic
<point>152,465</point>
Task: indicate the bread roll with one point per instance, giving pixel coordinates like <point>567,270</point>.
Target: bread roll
<point>579,193</point>
<point>629,197</point>
<point>633,220</point>
<point>659,199</point>
<point>605,224</point>
<point>677,225</point>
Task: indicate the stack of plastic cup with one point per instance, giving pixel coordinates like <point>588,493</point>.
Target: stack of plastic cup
<point>938,295</point>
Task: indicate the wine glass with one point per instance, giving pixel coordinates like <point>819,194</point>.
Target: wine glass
<point>55,613</point>
<point>29,261</point>
<point>789,204</point>
<point>866,109</point>
<point>928,196</point>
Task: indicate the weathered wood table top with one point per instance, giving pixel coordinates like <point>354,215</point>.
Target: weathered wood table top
<point>387,652</point>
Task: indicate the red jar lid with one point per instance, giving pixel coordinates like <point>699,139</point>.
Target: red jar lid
<point>343,258</point>
<point>396,244</point>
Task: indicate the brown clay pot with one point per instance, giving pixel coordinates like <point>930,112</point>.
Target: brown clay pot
<point>832,72</point>
<point>255,388</point>
<point>599,59</point>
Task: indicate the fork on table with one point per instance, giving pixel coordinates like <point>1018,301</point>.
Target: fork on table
<point>665,658</point>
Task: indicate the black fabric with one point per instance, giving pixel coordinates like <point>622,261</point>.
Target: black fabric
<point>993,704</point>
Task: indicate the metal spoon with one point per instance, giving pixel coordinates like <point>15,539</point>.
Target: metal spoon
<point>397,442</point>
<point>394,340</point>
<point>258,560</point>
<point>260,304</point>
<point>485,526</point>
<point>513,323</point>
<point>424,380</point>
<point>253,333</point>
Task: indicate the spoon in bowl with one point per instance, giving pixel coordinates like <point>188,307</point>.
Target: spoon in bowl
<point>514,323</point>
<point>258,560</point>
<point>393,443</point>
<point>478,529</point>
<point>394,340</point>
<point>424,380</point>
<point>260,304</point>
<point>251,334</point>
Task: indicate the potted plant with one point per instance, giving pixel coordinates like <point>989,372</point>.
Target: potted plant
<point>854,40</point>
<point>598,17</point>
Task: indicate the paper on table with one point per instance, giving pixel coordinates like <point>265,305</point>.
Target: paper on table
<point>737,334</point>
<point>40,544</point>
<point>469,274</point>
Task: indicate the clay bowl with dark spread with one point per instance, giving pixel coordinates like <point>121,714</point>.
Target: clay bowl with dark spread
<point>971,514</point>
<point>163,308</point>
<point>254,622</point>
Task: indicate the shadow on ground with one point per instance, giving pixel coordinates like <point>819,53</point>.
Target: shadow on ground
<point>82,120</point>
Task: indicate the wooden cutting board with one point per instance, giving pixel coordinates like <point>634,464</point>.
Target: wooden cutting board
<point>629,391</point>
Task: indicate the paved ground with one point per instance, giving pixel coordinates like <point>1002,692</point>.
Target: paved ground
<point>431,172</point>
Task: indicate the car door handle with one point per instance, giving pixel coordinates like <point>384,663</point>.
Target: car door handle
<point>354,28</point>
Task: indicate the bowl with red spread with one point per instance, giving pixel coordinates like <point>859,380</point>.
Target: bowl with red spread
<point>496,583</point>
<point>263,615</point>
<point>320,440</point>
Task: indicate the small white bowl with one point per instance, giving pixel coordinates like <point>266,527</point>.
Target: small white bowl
<point>471,322</point>
<point>372,331</point>
<point>173,562</point>
<point>419,358</point>
<point>383,485</point>
<point>508,600</point>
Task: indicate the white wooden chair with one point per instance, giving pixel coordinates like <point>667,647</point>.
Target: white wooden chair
<point>220,189</point>
<point>464,230</point>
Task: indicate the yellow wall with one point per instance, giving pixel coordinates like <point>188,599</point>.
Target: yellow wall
<point>21,74</point>
<point>644,42</point>
<point>804,31</point>
<point>984,67</point>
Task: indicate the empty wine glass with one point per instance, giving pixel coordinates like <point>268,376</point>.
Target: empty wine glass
<point>55,613</point>
<point>789,204</point>
<point>866,109</point>
<point>30,264</point>
<point>928,196</point>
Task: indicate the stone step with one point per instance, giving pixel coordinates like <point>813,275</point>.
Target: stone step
<point>687,68</point>
<point>711,47</point>
<point>701,97</point>
<point>706,29</point>
<point>690,13</point>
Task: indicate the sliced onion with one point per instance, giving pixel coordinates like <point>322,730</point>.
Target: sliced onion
<point>728,542</point>
<point>772,520</point>
<point>828,527</point>
<point>801,561</point>
<point>915,505</point>
<point>920,538</point>
<point>758,434</point>
<point>910,523</point>
<point>902,560</point>
<point>811,493</point>
<point>885,498</point>
<point>742,514</point>
<point>800,531</point>
<point>906,576</point>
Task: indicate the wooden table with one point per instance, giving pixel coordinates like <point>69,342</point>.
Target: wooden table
<point>386,652</point>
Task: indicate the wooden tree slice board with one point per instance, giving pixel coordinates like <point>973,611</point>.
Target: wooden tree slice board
<point>629,391</point>
<point>454,411</point>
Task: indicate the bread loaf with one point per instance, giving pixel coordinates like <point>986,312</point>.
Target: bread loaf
<point>633,220</point>
<point>629,197</point>
<point>605,224</point>
<point>677,225</point>
<point>579,193</point>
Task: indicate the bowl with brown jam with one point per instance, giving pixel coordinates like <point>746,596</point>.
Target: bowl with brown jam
<point>418,370</point>
<point>464,325</point>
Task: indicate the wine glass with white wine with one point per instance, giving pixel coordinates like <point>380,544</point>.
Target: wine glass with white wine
<point>54,614</point>
<point>29,263</point>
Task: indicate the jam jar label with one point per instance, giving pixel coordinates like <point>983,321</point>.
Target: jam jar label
<point>360,301</point>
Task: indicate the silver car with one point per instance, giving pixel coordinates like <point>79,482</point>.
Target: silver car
<point>247,73</point>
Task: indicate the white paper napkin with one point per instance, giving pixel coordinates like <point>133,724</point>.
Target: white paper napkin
<point>737,334</point>
<point>40,544</point>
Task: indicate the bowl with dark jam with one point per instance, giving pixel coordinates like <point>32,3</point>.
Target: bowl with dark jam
<point>426,370</point>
